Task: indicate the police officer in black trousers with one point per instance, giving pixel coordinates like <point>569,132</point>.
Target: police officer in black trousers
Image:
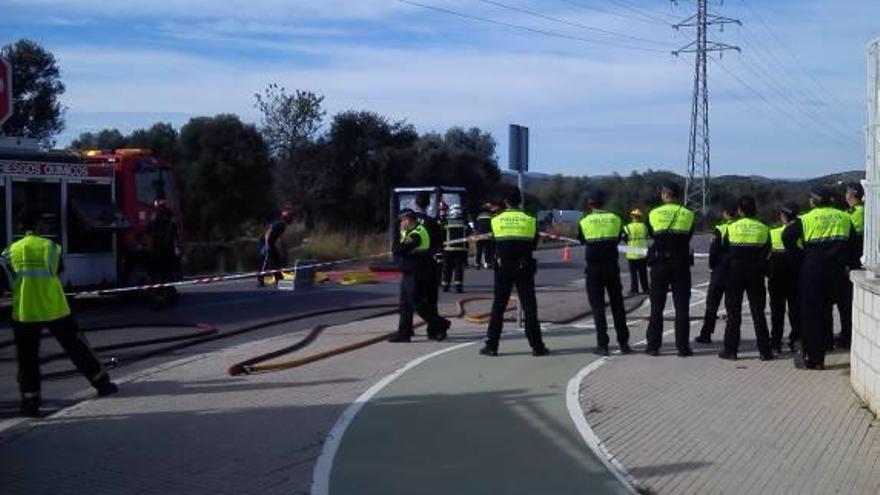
<point>747,241</point>
<point>783,276</point>
<point>600,231</point>
<point>419,279</point>
<point>717,264</point>
<point>516,236</point>
<point>671,226</point>
<point>828,238</point>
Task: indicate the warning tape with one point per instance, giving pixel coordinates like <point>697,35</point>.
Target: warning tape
<point>222,278</point>
<point>570,240</point>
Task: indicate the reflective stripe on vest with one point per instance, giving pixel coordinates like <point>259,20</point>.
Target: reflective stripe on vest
<point>424,238</point>
<point>514,225</point>
<point>826,224</point>
<point>637,237</point>
<point>776,243</point>
<point>858,218</point>
<point>37,294</point>
<point>600,226</point>
<point>455,230</point>
<point>671,219</point>
<point>748,232</point>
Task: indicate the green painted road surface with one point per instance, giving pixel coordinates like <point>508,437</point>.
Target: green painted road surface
<point>462,423</point>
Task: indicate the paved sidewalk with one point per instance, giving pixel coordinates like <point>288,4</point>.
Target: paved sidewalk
<point>705,425</point>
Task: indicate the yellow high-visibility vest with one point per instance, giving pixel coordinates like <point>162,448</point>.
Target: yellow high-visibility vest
<point>37,294</point>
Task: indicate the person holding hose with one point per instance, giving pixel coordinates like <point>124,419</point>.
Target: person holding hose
<point>38,302</point>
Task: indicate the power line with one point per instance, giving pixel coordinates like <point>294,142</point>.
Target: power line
<point>570,23</point>
<point>528,29</point>
<point>642,11</point>
<point>614,13</point>
<point>763,98</point>
<point>790,52</point>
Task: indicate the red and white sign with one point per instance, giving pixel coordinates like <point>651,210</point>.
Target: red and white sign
<point>5,90</point>
<point>12,167</point>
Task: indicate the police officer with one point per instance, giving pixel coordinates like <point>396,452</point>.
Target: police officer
<point>747,240</point>
<point>38,302</point>
<point>483,226</point>
<point>516,236</point>
<point>270,256</point>
<point>600,231</point>
<point>635,234</point>
<point>828,239</point>
<point>855,194</point>
<point>717,264</point>
<point>432,227</point>
<point>782,282</point>
<point>455,255</point>
<point>671,226</point>
<point>417,284</point>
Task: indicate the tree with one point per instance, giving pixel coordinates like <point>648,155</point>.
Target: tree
<point>226,170</point>
<point>160,138</point>
<point>106,139</point>
<point>289,120</point>
<point>36,87</point>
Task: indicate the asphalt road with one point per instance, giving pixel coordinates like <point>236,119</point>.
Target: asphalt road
<point>230,307</point>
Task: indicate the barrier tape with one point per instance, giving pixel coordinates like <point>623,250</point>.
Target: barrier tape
<point>221,278</point>
<point>570,240</point>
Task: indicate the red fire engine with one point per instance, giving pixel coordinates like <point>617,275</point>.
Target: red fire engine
<point>96,205</point>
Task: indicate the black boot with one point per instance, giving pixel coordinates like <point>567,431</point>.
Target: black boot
<point>30,408</point>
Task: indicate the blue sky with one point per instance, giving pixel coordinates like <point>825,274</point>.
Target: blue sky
<point>601,93</point>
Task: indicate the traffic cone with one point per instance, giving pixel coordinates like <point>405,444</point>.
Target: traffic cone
<point>566,253</point>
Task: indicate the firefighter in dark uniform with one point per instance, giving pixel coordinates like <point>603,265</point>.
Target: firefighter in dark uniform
<point>164,236</point>
<point>417,285</point>
<point>828,239</point>
<point>671,226</point>
<point>782,282</point>
<point>271,258</point>
<point>516,236</point>
<point>747,241</point>
<point>635,234</point>
<point>717,264</point>
<point>38,302</point>
<point>855,194</point>
<point>455,255</point>
<point>600,231</point>
<point>483,226</point>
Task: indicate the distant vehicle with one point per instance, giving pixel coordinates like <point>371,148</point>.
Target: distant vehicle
<point>96,205</point>
<point>553,217</point>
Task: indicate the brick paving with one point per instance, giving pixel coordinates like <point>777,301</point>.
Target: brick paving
<point>705,425</point>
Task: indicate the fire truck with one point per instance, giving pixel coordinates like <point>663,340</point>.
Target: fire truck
<point>95,204</point>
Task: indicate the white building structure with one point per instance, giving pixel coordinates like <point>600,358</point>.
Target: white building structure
<point>865,354</point>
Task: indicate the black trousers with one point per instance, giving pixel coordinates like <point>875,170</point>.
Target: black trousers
<point>271,260</point>
<point>601,278</point>
<point>666,274</point>
<point>521,274</point>
<point>844,306</point>
<point>485,253</point>
<point>820,284</point>
<point>453,267</point>
<point>416,288</point>
<point>783,286</point>
<point>74,343</point>
<point>749,279</point>
<point>638,272</point>
<point>714,295</point>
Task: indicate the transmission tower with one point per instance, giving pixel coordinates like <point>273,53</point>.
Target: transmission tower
<point>696,189</point>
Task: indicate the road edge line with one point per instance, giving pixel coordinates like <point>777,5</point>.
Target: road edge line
<point>324,464</point>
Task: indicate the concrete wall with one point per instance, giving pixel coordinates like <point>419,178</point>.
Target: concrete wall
<point>865,353</point>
